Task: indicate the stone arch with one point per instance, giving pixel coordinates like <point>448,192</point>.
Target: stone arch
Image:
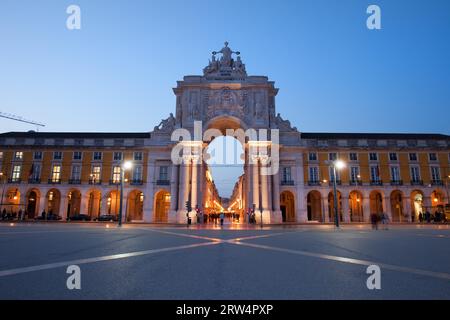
<point>437,201</point>
<point>112,199</point>
<point>287,206</point>
<point>355,199</point>
<point>314,203</point>
<point>94,203</point>
<point>376,202</point>
<point>397,206</point>
<point>73,203</point>
<point>417,204</point>
<point>11,201</point>
<point>33,199</point>
<point>162,206</point>
<point>331,205</point>
<point>53,202</point>
<point>135,205</point>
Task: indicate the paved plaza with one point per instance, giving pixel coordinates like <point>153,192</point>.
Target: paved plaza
<point>157,262</point>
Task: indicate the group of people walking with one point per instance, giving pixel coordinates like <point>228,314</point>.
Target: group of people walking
<point>438,217</point>
<point>376,218</point>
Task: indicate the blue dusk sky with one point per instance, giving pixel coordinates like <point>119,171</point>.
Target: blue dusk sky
<point>334,75</point>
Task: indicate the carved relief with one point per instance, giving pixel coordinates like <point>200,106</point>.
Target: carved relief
<point>225,102</point>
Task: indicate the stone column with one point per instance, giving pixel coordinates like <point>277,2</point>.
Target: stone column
<point>407,209</point>
<point>184,189</point>
<point>302,210</point>
<point>345,207</point>
<point>255,186</point>
<point>366,209</point>
<point>326,209</point>
<point>194,184</point>
<point>265,197</point>
<point>276,192</point>
<point>174,188</point>
<point>149,194</point>
<point>387,208</point>
<point>42,204</point>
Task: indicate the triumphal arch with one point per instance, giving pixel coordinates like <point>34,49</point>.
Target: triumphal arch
<point>225,100</point>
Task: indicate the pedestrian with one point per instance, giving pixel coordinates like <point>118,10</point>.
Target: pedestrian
<point>385,220</point>
<point>428,216</point>
<point>44,214</point>
<point>20,217</point>
<point>374,220</point>
<point>420,217</point>
<point>222,216</point>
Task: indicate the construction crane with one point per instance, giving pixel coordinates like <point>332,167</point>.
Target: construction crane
<point>21,119</point>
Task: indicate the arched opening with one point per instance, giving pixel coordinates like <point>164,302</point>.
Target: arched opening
<point>376,202</point>
<point>417,204</point>
<point>73,203</point>
<point>94,203</point>
<point>224,183</point>
<point>437,202</point>
<point>113,202</point>
<point>397,207</point>
<point>287,206</point>
<point>32,205</point>
<point>135,206</point>
<point>314,200</point>
<point>356,206</point>
<point>11,205</point>
<point>162,206</point>
<point>331,206</point>
<point>53,199</point>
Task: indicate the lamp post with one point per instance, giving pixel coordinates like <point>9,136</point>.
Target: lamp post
<point>125,166</point>
<point>337,165</point>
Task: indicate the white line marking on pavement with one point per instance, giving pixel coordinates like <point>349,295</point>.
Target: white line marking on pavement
<point>99,259</point>
<point>441,275</point>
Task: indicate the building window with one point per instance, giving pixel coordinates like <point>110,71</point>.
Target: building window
<point>37,155</point>
<point>35,172</point>
<point>56,173</point>
<point>338,175</point>
<point>96,174</point>
<point>17,169</point>
<point>373,156</point>
<point>18,155</point>
<point>138,156</point>
<point>117,156</point>
<point>415,174</point>
<point>353,156</point>
<point>76,172</point>
<point>413,157</point>
<point>1,155</point>
<point>98,156</point>
<point>375,173</point>
<point>432,156</point>
<point>116,174</point>
<point>332,156</point>
<point>137,173</point>
<point>287,174</point>
<point>393,156</point>
<point>77,155</point>
<point>435,174</point>
<point>314,174</point>
<point>164,173</point>
<point>395,174</point>
<point>312,156</point>
<point>354,174</point>
<point>57,155</point>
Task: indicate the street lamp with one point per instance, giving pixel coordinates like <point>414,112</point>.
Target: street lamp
<point>127,165</point>
<point>337,165</point>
